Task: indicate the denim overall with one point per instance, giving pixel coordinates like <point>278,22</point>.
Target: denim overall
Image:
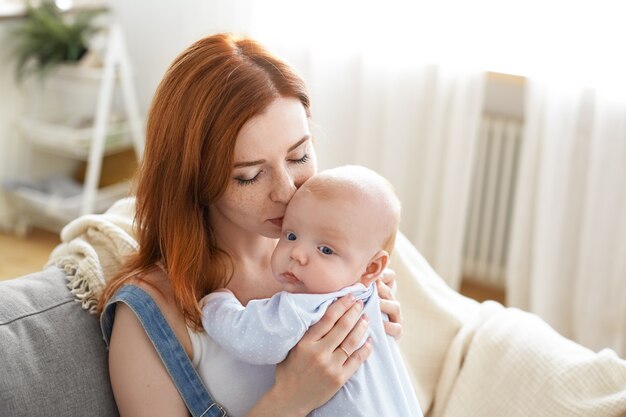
<point>172,354</point>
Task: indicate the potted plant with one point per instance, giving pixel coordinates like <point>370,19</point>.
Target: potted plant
<point>49,37</point>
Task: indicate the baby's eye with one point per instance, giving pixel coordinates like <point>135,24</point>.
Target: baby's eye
<point>291,236</point>
<point>325,250</point>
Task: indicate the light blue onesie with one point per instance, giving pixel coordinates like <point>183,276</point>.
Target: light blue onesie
<point>265,330</point>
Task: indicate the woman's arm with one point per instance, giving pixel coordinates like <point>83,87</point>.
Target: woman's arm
<point>389,305</point>
<point>316,368</point>
<point>140,382</point>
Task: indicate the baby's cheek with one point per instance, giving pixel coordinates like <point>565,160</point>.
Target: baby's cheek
<point>277,258</point>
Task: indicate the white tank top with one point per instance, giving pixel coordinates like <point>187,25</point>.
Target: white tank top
<point>237,386</point>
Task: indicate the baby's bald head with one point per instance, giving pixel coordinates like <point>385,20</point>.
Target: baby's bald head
<point>371,194</point>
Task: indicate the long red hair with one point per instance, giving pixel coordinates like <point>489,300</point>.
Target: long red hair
<point>207,94</point>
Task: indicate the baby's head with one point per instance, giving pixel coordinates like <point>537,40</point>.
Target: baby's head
<point>339,229</point>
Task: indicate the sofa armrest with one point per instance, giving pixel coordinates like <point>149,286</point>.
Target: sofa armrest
<point>52,355</point>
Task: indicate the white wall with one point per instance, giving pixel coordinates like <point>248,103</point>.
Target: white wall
<point>156,32</point>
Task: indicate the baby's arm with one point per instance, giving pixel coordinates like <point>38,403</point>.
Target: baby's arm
<point>263,332</point>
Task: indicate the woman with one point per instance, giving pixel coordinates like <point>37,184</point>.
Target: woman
<point>227,145</point>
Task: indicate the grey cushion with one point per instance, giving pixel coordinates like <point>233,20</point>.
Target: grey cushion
<point>53,360</point>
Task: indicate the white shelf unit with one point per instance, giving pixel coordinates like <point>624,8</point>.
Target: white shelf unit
<point>88,143</point>
<point>73,142</point>
<point>53,212</point>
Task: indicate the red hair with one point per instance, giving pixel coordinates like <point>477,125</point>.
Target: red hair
<point>207,94</point>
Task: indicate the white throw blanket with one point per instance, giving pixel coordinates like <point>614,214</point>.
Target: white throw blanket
<point>506,362</point>
<point>92,249</point>
<point>466,359</point>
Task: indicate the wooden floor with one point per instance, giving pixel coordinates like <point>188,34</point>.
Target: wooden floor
<point>481,292</point>
<point>21,256</point>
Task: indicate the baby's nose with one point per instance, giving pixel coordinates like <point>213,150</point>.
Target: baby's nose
<point>298,254</point>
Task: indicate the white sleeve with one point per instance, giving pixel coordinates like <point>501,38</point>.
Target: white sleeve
<point>263,332</point>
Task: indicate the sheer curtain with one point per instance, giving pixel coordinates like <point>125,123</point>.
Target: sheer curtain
<point>567,260</point>
<point>376,102</point>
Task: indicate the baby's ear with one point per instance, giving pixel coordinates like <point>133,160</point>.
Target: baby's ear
<point>375,268</point>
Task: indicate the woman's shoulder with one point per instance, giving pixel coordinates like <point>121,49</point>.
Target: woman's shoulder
<point>158,287</point>
<point>156,284</point>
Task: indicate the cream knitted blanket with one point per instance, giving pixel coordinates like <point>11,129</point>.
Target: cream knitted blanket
<point>93,248</point>
<point>506,362</point>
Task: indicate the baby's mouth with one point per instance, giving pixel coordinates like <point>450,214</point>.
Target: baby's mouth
<point>289,277</point>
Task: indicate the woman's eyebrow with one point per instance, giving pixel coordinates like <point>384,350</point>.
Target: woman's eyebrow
<point>262,161</point>
<point>249,164</point>
<point>298,143</point>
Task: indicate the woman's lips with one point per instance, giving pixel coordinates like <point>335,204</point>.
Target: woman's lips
<point>278,221</point>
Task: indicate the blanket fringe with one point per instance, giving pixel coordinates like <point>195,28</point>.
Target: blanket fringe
<point>85,289</point>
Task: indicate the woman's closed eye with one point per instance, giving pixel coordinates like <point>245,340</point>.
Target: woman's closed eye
<point>302,160</point>
<point>243,181</point>
<point>248,181</point>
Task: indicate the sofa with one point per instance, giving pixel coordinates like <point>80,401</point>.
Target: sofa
<point>465,358</point>
<point>53,360</point>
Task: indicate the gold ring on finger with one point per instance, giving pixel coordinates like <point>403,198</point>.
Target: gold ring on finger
<point>345,351</point>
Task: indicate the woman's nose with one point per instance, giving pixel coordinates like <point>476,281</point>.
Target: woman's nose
<point>283,187</point>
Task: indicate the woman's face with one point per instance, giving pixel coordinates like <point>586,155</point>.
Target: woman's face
<point>273,157</point>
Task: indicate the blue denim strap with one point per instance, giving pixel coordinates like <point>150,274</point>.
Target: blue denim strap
<point>172,354</point>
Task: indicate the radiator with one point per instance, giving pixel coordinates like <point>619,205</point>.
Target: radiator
<point>491,201</point>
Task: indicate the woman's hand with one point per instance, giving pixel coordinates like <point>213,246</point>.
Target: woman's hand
<point>389,305</point>
<point>321,363</point>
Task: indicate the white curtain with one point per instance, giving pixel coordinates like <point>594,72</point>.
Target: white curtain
<point>567,260</point>
<point>376,103</point>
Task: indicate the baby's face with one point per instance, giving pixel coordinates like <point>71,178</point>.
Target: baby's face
<point>321,248</point>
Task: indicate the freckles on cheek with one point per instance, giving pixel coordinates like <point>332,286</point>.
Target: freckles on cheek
<point>240,200</point>
<point>245,200</point>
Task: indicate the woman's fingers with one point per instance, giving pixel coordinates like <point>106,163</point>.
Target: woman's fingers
<point>351,343</point>
<point>392,309</point>
<point>389,277</point>
<point>390,306</point>
<point>357,358</point>
<point>393,329</point>
<point>344,326</point>
<point>384,291</point>
<point>333,315</point>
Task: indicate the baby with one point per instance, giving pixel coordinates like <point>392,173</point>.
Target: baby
<point>337,233</point>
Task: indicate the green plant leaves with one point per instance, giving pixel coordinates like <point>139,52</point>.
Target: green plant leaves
<point>48,37</point>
